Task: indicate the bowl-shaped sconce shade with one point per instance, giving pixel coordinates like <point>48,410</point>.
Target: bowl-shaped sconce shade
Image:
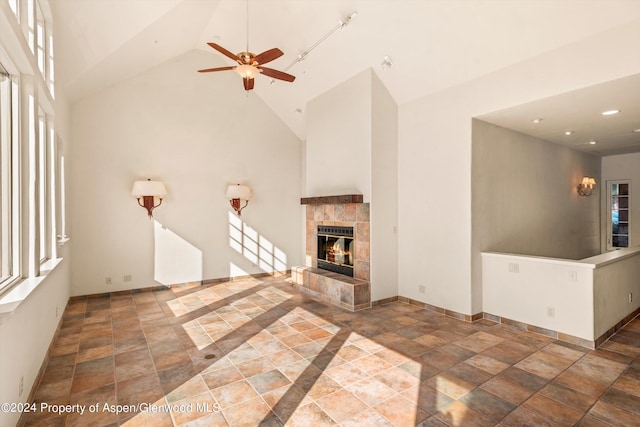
<point>238,192</point>
<point>148,188</point>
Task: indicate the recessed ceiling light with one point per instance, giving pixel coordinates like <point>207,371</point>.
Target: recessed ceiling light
<point>610,112</point>
<point>592,142</point>
<point>568,132</point>
<point>536,121</point>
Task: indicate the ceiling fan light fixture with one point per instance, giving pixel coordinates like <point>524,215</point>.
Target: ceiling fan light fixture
<point>247,71</point>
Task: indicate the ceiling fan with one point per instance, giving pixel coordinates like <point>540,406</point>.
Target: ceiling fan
<point>250,65</point>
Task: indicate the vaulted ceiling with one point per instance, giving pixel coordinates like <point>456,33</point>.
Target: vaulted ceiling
<point>432,44</point>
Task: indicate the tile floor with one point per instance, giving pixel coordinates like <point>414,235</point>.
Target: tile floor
<point>256,352</point>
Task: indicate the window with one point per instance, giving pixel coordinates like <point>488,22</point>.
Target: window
<point>60,201</point>
<point>50,68</point>
<point>13,4</point>
<point>9,257</point>
<point>31,202</point>
<point>52,188</point>
<point>40,40</point>
<point>618,193</point>
<point>31,25</point>
<point>43,180</point>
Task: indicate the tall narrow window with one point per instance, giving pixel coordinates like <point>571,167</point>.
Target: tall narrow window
<point>50,69</point>
<point>31,25</point>
<point>9,247</point>
<point>13,4</point>
<point>618,219</point>
<point>60,220</point>
<point>5,176</point>
<point>32,202</point>
<point>40,41</point>
<point>52,189</point>
<point>42,190</point>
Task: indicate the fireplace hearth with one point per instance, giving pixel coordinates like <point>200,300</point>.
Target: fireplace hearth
<point>336,249</point>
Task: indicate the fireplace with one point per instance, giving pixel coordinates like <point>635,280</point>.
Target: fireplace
<point>336,249</point>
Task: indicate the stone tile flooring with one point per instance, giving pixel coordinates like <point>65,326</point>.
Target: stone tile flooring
<point>256,352</point>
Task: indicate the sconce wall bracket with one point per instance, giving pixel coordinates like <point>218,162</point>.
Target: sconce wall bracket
<point>236,193</point>
<point>148,203</point>
<point>235,204</point>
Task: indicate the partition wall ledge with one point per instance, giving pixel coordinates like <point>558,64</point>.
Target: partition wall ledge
<point>582,298</point>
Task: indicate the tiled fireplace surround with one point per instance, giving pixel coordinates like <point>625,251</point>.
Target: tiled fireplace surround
<point>352,293</point>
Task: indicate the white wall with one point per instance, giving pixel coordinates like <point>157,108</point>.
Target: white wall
<point>351,148</point>
<point>583,298</point>
<point>339,140</point>
<point>384,192</point>
<point>26,335</point>
<point>524,198</point>
<point>612,285</point>
<point>542,292</point>
<point>197,133</point>
<point>622,167</point>
<point>434,205</point>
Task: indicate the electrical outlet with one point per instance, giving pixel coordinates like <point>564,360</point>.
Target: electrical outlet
<point>630,297</point>
<point>107,280</point>
<point>21,386</point>
<point>56,311</point>
<point>573,276</point>
<point>514,268</point>
<point>127,278</point>
<point>551,312</point>
<point>422,289</point>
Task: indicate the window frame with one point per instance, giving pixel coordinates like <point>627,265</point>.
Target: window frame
<point>30,24</point>
<point>31,202</point>
<point>610,209</point>
<point>10,177</point>
<point>14,5</point>
<point>43,202</point>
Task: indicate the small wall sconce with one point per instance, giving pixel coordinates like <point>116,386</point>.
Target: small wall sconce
<point>236,193</point>
<point>146,192</point>
<point>585,188</point>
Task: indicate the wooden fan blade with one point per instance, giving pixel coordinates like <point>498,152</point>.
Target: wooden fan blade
<point>268,55</point>
<point>224,51</point>
<point>248,83</point>
<point>277,74</point>
<point>208,70</point>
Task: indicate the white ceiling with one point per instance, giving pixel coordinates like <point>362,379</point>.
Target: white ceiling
<point>580,112</point>
<point>434,44</point>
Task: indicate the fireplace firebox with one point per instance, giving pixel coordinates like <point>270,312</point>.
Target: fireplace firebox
<point>335,249</point>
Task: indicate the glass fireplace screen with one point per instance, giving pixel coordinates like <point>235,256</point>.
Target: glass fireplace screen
<point>335,249</point>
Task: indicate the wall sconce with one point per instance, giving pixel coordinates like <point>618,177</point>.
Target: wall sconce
<point>237,193</point>
<point>585,188</point>
<point>146,192</point>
